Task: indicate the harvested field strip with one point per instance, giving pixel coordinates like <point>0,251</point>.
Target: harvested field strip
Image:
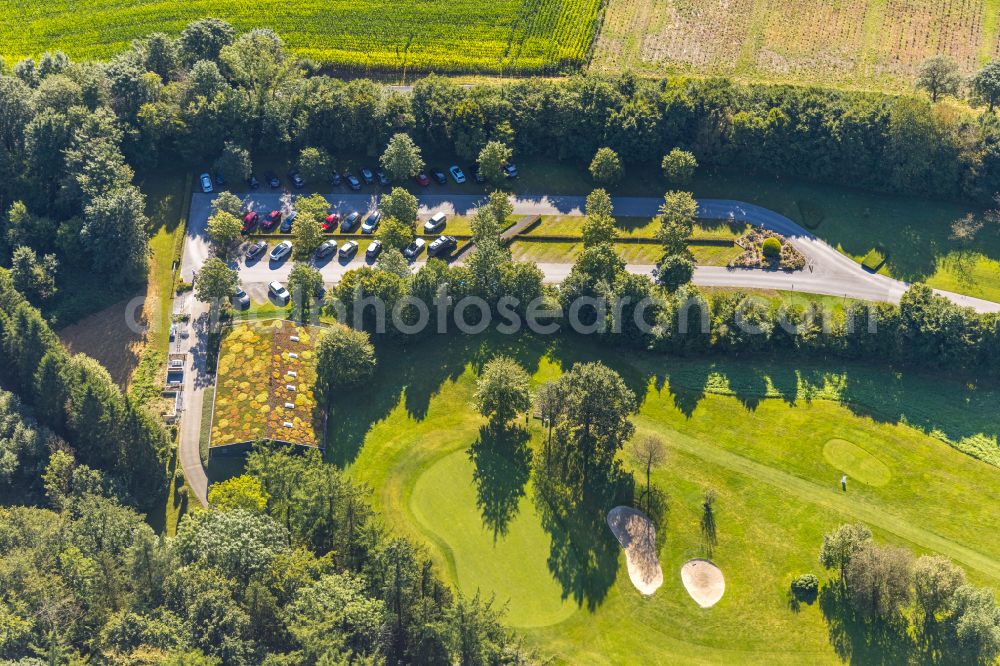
<point>867,43</point>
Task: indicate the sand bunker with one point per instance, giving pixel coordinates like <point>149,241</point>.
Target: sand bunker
<point>637,535</point>
<point>703,581</point>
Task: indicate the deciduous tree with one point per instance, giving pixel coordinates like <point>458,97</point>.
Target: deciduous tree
<point>939,75</point>
<point>492,160</point>
<point>402,157</point>
<point>606,167</point>
<point>401,205</point>
<point>502,391</point>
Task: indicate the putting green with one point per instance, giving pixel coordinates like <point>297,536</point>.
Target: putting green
<point>858,464</point>
<point>513,567</point>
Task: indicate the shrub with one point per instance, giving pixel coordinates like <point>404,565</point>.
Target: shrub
<point>679,166</point>
<point>806,588</point>
<point>771,248</point>
<point>606,167</point>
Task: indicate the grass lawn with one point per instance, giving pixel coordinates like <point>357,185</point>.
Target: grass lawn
<point>633,253</point>
<point>632,227</point>
<point>758,433</point>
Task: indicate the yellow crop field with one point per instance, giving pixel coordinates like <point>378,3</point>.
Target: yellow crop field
<point>864,43</point>
<point>426,35</point>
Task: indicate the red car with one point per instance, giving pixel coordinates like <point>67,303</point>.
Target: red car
<point>250,221</point>
<point>422,179</point>
<point>272,220</point>
<point>331,223</point>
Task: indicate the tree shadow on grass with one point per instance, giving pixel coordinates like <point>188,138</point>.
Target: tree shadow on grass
<point>414,371</point>
<point>502,460</point>
<point>583,556</point>
<point>860,640</point>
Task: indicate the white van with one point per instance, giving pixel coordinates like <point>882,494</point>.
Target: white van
<point>436,223</point>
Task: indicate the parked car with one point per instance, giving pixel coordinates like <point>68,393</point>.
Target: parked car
<point>371,222</point>
<point>273,180</point>
<point>414,249</point>
<point>331,222</point>
<point>272,220</point>
<point>326,249</point>
<point>367,175</point>
<point>422,179</point>
<point>439,176</point>
<point>240,298</point>
<point>436,223</point>
<point>250,221</point>
<point>206,183</point>
<point>256,250</point>
<point>277,290</point>
<point>383,178</point>
<point>353,182</point>
<point>476,175</point>
<point>510,171</point>
<point>281,250</point>
<point>296,179</point>
<point>350,222</point>
<point>253,182</point>
<point>456,174</point>
<point>286,224</point>
<point>374,249</point>
<point>442,245</point>
<point>348,249</point>
<point>335,179</point>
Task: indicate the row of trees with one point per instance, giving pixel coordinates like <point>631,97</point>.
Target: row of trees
<point>886,589</point>
<point>940,75</point>
<point>74,397</point>
<point>288,566</point>
<point>669,315</point>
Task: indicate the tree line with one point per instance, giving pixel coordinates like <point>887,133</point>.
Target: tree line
<point>81,409</point>
<point>288,566</point>
<point>916,610</point>
<point>666,315</point>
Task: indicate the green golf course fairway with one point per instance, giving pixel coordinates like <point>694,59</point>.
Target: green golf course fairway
<point>511,566</point>
<point>755,433</point>
<point>858,464</point>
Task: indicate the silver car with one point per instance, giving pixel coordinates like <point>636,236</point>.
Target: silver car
<point>278,290</point>
<point>281,250</point>
<point>240,298</point>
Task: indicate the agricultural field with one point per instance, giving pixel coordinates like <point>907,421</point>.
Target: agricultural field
<point>771,438</point>
<point>461,36</point>
<point>258,362</point>
<point>856,43</point>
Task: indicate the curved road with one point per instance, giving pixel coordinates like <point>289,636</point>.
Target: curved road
<point>827,272</point>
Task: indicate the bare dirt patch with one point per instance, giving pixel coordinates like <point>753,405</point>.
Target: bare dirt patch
<point>637,536</point>
<point>107,337</point>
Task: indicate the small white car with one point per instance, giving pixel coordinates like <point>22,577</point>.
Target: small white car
<point>436,223</point>
<point>348,249</point>
<point>278,290</point>
<point>281,250</point>
<point>206,183</point>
